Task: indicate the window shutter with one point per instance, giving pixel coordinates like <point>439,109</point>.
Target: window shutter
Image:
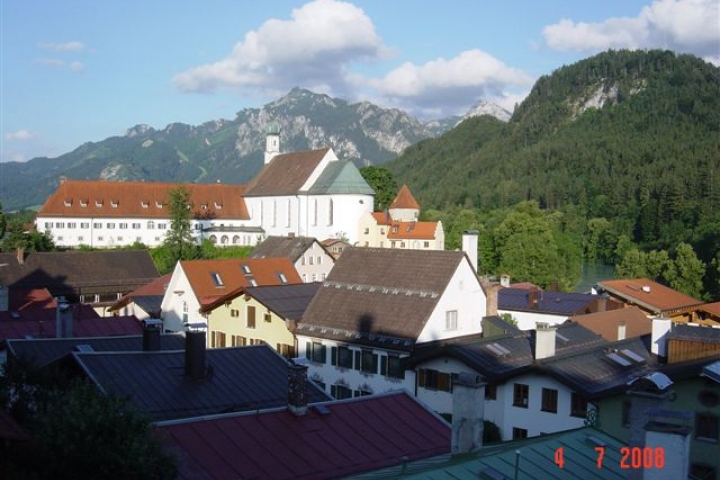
<point>384,365</point>
<point>308,350</point>
<point>323,354</point>
<point>357,359</point>
<point>333,356</point>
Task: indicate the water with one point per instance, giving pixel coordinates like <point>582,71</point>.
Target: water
<point>593,273</point>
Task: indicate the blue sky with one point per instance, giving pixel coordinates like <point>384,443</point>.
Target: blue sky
<point>74,71</point>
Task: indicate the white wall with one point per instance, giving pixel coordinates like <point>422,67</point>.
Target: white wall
<point>322,264</point>
<point>529,320</point>
<point>178,292</point>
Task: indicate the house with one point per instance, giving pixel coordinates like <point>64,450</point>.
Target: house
<point>708,314</point>
<point>616,324</point>
<point>263,314</point>
<point>168,385</point>
<point>311,259</point>
<point>97,278</point>
<point>331,439</point>
<point>399,227</point>
<point>310,193</point>
<point>376,306</point>
<point>197,283</point>
<point>143,302</point>
<point>651,297</point>
<point>335,246</point>
<point>528,307</point>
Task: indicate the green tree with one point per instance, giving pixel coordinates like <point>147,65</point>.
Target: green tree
<point>383,182</point>
<point>30,241</point>
<point>3,222</point>
<point>179,240</point>
<point>688,272</point>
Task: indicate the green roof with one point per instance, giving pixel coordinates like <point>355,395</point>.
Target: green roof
<point>343,177</point>
<point>537,460</point>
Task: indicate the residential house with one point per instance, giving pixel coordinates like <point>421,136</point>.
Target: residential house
<point>310,193</point>
<point>335,246</point>
<point>143,302</point>
<point>195,284</point>
<point>651,297</point>
<point>331,439</point>
<point>97,278</point>
<point>528,307</point>
<point>708,314</point>
<point>167,385</point>
<point>399,227</point>
<point>616,324</point>
<point>312,261</point>
<point>263,314</point>
<point>376,306</point>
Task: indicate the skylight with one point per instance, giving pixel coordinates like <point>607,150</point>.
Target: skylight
<point>282,278</point>
<point>618,359</point>
<point>632,355</point>
<point>246,269</point>
<point>498,349</point>
<point>217,280</point>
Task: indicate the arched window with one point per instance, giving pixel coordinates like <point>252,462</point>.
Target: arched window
<point>150,225</point>
<point>213,239</point>
<point>224,240</point>
<point>236,239</point>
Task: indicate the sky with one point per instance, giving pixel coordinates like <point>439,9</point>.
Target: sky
<point>75,71</point>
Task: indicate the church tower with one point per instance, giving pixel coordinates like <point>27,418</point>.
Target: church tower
<point>272,141</point>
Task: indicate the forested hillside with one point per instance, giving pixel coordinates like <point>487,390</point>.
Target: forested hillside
<point>627,141</point>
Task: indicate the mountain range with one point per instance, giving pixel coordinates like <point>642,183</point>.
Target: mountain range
<point>230,151</point>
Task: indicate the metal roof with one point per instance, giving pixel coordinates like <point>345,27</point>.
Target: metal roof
<point>332,440</point>
<point>341,177</point>
<point>243,378</point>
<point>288,301</point>
<point>557,303</point>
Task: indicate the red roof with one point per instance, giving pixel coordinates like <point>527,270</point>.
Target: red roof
<point>236,273</point>
<point>606,323</point>
<point>86,323</point>
<point>75,198</point>
<point>405,199</point>
<point>348,437</point>
<point>648,294</point>
<point>413,230</point>
<point>382,218</point>
<point>27,299</point>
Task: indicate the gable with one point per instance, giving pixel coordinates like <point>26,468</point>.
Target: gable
<point>285,174</point>
<point>275,247</point>
<point>340,177</point>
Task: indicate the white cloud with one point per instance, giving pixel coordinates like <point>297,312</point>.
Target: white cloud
<point>442,87</point>
<point>62,47</point>
<point>75,67</point>
<point>682,25</point>
<point>313,49</point>
<point>20,135</point>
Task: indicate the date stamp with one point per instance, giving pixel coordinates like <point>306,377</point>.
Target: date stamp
<point>630,457</point>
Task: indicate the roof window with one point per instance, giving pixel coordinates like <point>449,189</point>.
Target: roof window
<point>217,280</point>
<point>115,203</point>
<point>98,203</point>
<point>246,270</point>
<point>144,204</point>
<point>158,204</point>
<point>68,202</point>
<point>218,206</point>
<point>84,203</point>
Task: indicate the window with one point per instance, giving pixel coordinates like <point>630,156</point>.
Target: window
<point>185,311</point>
<point>520,395</point>
<point>123,226</point>
<point>287,351</point>
<point>625,416</point>
<point>451,320</point>
<point>60,225</point>
<point>151,225</point>
<point>390,366</point>
<point>84,225</point>
<point>302,262</point>
<point>162,226</point>
<point>282,278</point>
<point>707,427</point>
<point>234,312</point>
<point>490,392</point>
<point>342,357</point>
<point>426,244</point>
<point>72,225</point>
<point>315,351</point>
<point>435,380</point>
<point>311,260</point>
<point>238,341</point>
<point>369,362</point>
<point>340,392</point>
<point>549,400</point>
<point>97,225</point>
<point>519,433</point>
<point>101,238</point>
<point>578,406</point>
<point>267,317</point>
<point>217,280</point>
<point>367,231</point>
<point>218,340</point>
<point>81,238</point>
<point>250,316</point>
<point>330,212</point>
<point>110,225</point>
<point>319,258</point>
<point>136,226</point>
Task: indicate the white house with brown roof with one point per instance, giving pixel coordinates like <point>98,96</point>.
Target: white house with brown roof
<point>311,259</point>
<point>310,193</point>
<point>195,284</point>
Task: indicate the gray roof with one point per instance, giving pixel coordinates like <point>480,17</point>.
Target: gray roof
<point>380,296</point>
<point>43,351</point>
<point>64,273</point>
<point>341,177</point>
<point>288,301</point>
<point>557,303</point>
<point>278,247</point>
<point>694,333</point>
<point>242,379</point>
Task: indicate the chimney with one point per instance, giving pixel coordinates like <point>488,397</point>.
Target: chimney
<point>602,302</point>
<point>491,299</point>
<point>533,298</point>
<point>470,247</point>
<point>505,281</point>
<point>195,368</point>
<point>544,340</point>
<point>4,298</point>
<point>668,432</point>
<point>21,255</point>
<point>297,389</point>
<point>622,330</point>
<point>61,309</point>
<point>468,413</point>
<point>151,338</point>
<point>661,326</point>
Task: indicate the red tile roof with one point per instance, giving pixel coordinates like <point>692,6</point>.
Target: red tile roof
<point>142,200</point>
<point>382,218</point>
<point>712,308</point>
<point>606,323</point>
<point>405,199</point>
<point>352,437</point>
<point>265,271</point>
<point>412,231</point>
<point>28,299</point>
<point>648,294</point>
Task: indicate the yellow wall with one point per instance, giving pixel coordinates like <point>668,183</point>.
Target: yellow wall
<point>221,320</point>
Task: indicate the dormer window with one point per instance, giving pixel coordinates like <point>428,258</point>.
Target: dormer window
<point>144,204</point>
<point>158,204</point>
<point>98,203</point>
<point>114,203</point>
<point>84,203</point>
<point>218,206</point>
<point>68,202</point>
<point>203,206</point>
<point>394,229</point>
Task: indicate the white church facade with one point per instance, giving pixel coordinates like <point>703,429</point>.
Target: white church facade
<point>309,193</point>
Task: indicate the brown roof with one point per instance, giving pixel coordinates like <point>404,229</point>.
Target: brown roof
<point>606,323</point>
<point>382,218</point>
<point>156,287</point>
<point>387,292</point>
<point>648,294</point>
<point>286,173</point>
<point>404,199</point>
<point>265,271</point>
<point>712,308</point>
<point>413,230</point>
<point>142,200</point>
<point>291,247</point>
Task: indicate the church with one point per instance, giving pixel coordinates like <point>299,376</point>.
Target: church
<point>309,193</point>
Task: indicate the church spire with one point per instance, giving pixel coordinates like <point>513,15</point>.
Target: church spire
<point>272,141</point>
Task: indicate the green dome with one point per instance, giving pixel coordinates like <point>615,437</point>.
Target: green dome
<point>273,128</point>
